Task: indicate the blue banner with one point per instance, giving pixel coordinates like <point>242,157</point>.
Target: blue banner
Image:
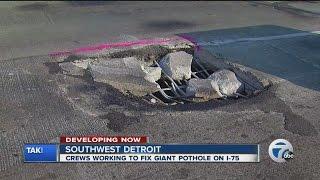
<point>159,149</point>
<point>40,152</point>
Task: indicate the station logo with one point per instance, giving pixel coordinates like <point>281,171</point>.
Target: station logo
<point>281,150</point>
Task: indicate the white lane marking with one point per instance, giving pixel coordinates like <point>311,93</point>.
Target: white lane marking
<point>265,38</point>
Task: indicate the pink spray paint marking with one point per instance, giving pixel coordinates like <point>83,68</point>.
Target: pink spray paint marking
<point>115,45</point>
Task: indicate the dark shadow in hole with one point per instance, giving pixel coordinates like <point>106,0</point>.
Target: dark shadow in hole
<point>72,58</point>
<point>53,67</point>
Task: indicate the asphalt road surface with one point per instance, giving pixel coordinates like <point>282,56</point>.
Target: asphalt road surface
<point>37,105</point>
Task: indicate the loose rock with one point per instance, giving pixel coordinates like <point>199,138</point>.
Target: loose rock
<point>124,74</point>
<point>177,65</point>
<point>203,88</point>
<point>153,101</point>
<point>83,63</point>
<point>153,74</point>
<point>227,81</point>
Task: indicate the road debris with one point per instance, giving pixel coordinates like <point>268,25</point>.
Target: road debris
<point>203,88</point>
<point>125,74</point>
<point>169,76</point>
<point>153,74</point>
<point>177,65</point>
<point>227,82</point>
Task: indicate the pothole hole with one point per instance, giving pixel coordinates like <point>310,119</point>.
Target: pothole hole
<point>169,76</point>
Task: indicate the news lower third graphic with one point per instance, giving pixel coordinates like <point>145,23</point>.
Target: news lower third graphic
<point>136,149</point>
<point>281,150</point>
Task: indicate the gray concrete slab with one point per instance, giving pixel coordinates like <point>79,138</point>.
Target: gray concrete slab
<point>267,48</point>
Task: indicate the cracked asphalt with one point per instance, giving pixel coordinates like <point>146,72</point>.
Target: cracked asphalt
<point>38,103</point>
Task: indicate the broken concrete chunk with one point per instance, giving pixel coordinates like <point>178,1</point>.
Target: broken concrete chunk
<point>203,88</point>
<point>177,65</point>
<point>227,81</point>
<point>132,62</point>
<point>153,74</point>
<point>83,63</point>
<point>116,68</point>
<point>70,68</point>
<point>124,74</point>
<point>252,79</point>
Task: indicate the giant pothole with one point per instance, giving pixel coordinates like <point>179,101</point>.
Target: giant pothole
<point>162,75</point>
